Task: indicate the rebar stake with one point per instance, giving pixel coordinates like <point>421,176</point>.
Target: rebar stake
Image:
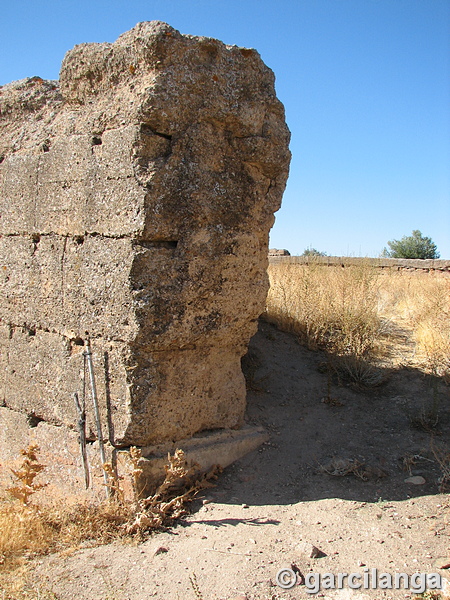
<point>88,355</point>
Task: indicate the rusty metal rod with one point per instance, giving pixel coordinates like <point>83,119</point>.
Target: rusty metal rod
<point>82,433</point>
<point>98,423</point>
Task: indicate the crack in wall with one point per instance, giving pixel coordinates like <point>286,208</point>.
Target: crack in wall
<point>148,130</point>
<point>32,414</point>
<point>74,236</point>
<point>75,340</point>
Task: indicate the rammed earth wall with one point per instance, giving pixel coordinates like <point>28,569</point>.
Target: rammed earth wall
<point>136,198</point>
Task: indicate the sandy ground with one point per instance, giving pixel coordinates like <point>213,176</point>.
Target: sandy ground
<point>270,508</point>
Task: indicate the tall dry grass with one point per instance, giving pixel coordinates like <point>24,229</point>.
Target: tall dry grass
<point>355,312</point>
<point>420,302</point>
<point>331,308</point>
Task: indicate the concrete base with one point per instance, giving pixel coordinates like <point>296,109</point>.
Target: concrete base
<point>207,449</point>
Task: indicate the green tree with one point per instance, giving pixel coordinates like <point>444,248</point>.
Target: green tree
<point>411,246</point>
<point>313,252</point>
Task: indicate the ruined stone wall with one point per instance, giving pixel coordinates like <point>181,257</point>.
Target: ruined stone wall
<point>136,197</point>
<point>394,264</point>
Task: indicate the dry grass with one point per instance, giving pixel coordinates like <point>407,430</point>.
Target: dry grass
<point>355,314</point>
<point>28,530</point>
<point>25,476</point>
<point>420,302</point>
<point>442,455</point>
<point>330,308</point>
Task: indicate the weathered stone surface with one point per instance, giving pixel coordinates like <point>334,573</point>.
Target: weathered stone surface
<point>136,197</point>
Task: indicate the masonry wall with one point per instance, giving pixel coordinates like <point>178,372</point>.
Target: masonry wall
<point>136,198</point>
<point>395,264</point>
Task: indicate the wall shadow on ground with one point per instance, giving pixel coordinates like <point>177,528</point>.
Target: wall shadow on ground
<point>376,428</point>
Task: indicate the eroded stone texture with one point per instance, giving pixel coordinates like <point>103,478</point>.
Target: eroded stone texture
<point>136,197</point>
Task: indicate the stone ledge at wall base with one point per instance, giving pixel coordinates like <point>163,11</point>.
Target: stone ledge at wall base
<point>207,449</point>
<point>396,264</point>
<point>64,474</point>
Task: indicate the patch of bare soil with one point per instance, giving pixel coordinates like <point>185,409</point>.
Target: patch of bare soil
<point>332,476</point>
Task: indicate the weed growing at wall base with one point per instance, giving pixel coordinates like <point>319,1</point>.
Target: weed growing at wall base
<point>28,530</point>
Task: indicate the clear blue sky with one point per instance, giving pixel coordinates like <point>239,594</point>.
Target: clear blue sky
<point>365,83</point>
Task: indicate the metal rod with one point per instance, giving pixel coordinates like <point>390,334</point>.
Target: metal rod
<point>88,355</point>
<point>82,432</point>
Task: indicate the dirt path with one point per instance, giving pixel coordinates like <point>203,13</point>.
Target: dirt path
<point>269,508</point>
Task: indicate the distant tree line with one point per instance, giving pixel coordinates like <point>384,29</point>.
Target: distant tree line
<point>410,246</point>
<point>313,252</point>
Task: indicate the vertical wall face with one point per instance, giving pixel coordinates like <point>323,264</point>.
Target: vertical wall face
<point>136,198</point>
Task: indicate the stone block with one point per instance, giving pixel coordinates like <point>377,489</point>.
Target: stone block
<point>18,194</point>
<point>114,207</point>
<point>209,449</point>
<point>61,207</point>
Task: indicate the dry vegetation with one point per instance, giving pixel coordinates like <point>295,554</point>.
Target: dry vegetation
<point>28,530</point>
<point>420,303</point>
<point>364,317</point>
